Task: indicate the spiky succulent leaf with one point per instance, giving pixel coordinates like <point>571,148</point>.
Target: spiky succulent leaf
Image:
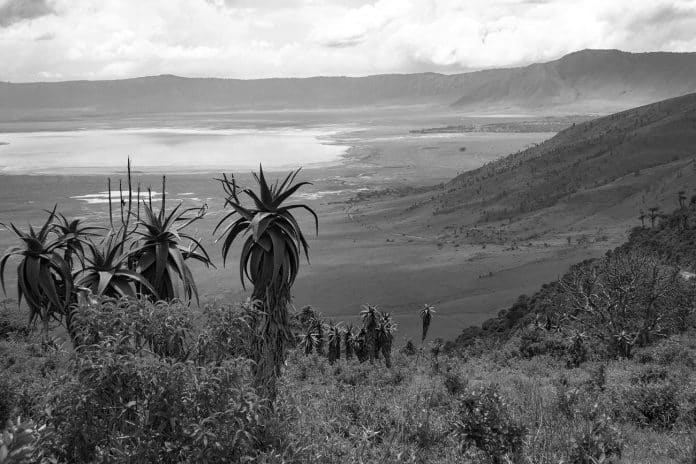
<point>271,249</point>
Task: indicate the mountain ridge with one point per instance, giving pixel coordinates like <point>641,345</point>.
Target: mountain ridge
<point>600,80</point>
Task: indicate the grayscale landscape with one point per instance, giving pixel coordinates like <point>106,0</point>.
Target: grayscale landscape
<point>479,263</point>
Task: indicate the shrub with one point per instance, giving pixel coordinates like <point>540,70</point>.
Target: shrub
<point>409,348</point>
<point>122,404</point>
<point>577,352</point>
<point>567,398</point>
<point>454,383</point>
<point>671,351</point>
<point>484,421</point>
<point>602,443</point>
<point>654,404</point>
<point>17,443</point>
<point>7,401</point>
<point>650,375</point>
<point>598,378</point>
<point>538,342</point>
<point>164,328</point>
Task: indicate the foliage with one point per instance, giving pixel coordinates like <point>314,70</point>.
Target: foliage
<point>626,300</point>
<point>190,402</point>
<point>484,421</point>
<point>454,383</point>
<point>75,234</point>
<point>162,328</point>
<point>270,260</point>
<point>653,404</point>
<point>106,272</point>
<point>227,333</point>
<point>123,405</point>
<point>271,253</point>
<point>161,258</point>
<point>17,443</point>
<point>44,278</point>
<point>426,314</point>
<point>7,400</point>
<point>601,443</point>
<point>370,317</point>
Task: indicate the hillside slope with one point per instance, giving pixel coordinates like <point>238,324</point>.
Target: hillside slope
<point>590,80</point>
<point>615,165</point>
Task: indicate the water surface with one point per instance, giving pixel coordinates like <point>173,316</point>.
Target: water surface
<point>97,151</point>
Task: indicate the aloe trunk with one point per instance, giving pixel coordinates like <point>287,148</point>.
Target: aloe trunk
<point>348,343</point>
<point>270,346</point>
<point>386,346</point>
<point>371,339</point>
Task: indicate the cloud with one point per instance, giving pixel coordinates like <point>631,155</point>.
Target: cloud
<point>94,39</point>
<point>13,11</point>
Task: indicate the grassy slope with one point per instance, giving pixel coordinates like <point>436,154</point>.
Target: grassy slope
<point>589,178</point>
<point>672,239</point>
<point>579,160</point>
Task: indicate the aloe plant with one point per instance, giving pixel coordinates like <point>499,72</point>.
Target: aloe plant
<point>75,234</point>
<point>159,256</point>
<point>44,278</point>
<point>426,314</point>
<point>106,271</point>
<point>270,261</point>
<point>334,342</point>
<point>385,335</point>
<point>370,316</point>
<point>308,341</point>
<point>349,342</point>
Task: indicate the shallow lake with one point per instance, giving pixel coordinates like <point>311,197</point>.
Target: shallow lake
<point>96,151</point>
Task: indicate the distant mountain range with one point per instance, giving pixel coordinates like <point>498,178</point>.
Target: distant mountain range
<point>588,80</point>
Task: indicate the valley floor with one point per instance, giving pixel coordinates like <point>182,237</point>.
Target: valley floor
<point>370,248</point>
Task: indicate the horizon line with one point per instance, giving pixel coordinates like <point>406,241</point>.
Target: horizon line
<point>343,76</point>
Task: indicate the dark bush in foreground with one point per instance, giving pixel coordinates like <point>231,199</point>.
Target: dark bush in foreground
<point>124,406</point>
<point>147,385</point>
<point>484,421</point>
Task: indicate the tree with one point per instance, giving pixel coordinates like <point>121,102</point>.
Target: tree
<point>626,299</point>
<point>385,332</point>
<point>270,260</point>
<point>349,342</point>
<point>654,214</point>
<point>426,314</point>
<point>334,342</point>
<point>641,217</point>
<point>370,316</point>
<point>681,197</point>
<point>308,340</point>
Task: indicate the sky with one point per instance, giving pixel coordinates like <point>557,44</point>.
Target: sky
<point>53,40</point>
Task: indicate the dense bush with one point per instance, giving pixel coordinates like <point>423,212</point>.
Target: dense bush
<point>653,404</point>
<point>535,341</point>
<point>153,383</point>
<point>484,421</point>
<point>601,443</point>
<point>124,405</point>
<point>454,383</point>
<point>17,443</point>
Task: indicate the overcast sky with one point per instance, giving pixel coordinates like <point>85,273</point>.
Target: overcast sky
<point>105,39</point>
